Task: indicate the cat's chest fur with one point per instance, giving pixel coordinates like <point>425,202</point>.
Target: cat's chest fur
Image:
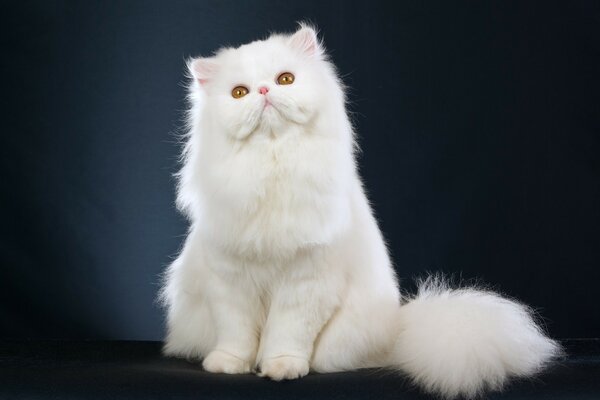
<point>274,196</point>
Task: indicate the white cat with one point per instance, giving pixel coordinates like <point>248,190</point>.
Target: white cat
<point>284,269</point>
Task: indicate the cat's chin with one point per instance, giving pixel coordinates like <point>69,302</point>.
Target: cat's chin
<point>272,117</point>
<point>273,120</point>
<point>264,127</point>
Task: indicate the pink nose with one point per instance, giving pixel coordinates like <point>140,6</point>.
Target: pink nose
<point>263,90</point>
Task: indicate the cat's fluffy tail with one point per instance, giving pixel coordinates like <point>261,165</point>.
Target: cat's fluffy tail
<point>461,342</point>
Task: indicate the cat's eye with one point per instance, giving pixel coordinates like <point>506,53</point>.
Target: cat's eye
<point>287,78</point>
<point>239,91</point>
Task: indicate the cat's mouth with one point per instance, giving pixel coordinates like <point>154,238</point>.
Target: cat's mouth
<point>270,108</point>
<point>274,113</point>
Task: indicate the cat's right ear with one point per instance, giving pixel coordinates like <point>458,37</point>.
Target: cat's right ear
<point>306,41</point>
<point>203,69</point>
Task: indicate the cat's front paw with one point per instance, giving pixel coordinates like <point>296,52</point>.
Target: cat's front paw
<point>284,367</point>
<point>219,361</point>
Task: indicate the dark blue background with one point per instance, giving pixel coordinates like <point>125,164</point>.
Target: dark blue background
<point>479,123</point>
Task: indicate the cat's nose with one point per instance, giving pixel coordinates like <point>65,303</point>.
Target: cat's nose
<point>263,90</point>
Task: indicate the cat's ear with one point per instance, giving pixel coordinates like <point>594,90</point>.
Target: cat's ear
<point>203,68</point>
<point>306,41</point>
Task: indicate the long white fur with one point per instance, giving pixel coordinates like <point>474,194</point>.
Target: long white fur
<point>285,269</point>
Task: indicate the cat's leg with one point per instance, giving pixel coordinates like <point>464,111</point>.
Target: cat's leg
<point>190,328</point>
<point>237,316</point>
<point>362,332</point>
<point>360,335</point>
<point>211,310</point>
<point>190,332</point>
<point>301,305</point>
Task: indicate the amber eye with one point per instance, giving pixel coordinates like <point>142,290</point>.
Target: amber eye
<point>287,78</point>
<point>239,91</point>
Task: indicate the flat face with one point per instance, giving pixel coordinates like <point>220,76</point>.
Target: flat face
<point>266,85</point>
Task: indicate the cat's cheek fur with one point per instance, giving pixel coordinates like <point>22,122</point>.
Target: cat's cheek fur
<point>285,268</point>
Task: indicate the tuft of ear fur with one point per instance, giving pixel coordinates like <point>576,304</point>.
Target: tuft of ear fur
<point>203,68</point>
<point>305,40</point>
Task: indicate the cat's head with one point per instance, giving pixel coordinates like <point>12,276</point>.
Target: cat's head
<point>266,85</point>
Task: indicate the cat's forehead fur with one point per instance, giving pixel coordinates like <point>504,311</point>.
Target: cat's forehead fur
<point>259,58</point>
<point>264,47</point>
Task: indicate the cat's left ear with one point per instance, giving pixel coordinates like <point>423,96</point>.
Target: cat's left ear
<point>203,69</point>
<point>306,41</point>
